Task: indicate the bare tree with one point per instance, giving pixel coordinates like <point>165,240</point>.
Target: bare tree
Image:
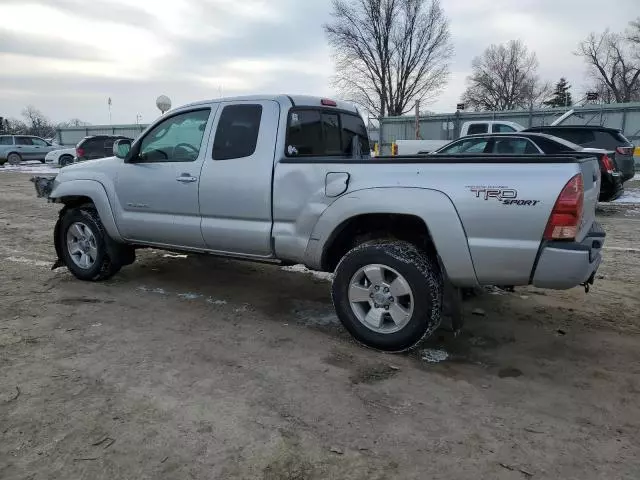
<point>37,123</point>
<point>614,62</point>
<point>389,53</point>
<point>505,77</point>
<point>16,127</point>
<point>74,122</point>
<point>633,35</point>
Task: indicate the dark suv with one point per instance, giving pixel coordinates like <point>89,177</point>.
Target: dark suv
<point>590,136</point>
<point>97,146</point>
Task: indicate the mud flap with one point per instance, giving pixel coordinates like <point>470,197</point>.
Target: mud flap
<point>452,313</point>
<point>56,243</point>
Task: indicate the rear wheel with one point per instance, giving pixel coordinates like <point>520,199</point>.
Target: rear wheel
<point>14,159</point>
<point>388,295</point>
<point>84,245</point>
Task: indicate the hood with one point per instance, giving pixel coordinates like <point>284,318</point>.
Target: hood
<point>97,164</point>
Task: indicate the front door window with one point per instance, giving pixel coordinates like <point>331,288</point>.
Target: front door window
<point>177,139</point>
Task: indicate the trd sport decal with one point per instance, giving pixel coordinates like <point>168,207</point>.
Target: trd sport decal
<point>506,196</point>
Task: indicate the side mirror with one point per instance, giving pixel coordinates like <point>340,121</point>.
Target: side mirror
<point>121,148</point>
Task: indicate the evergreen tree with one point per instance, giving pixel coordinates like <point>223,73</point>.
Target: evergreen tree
<point>561,95</point>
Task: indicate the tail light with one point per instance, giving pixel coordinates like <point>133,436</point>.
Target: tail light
<point>79,152</point>
<point>566,215</point>
<point>328,103</point>
<point>608,164</point>
<point>625,150</point>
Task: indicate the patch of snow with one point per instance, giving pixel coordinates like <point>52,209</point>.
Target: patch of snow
<point>214,301</point>
<point>189,296</point>
<point>302,269</point>
<point>30,167</point>
<point>636,178</point>
<point>174,255</point>
<point>629,196</point>
<point>433,355</point>
<point>493,290</point>
<point>160,291</point>
<point>27,261</point>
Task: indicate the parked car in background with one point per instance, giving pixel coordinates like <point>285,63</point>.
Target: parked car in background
<point>595,136</point>
<point>96,146</point>
<point>526,143</point>
<point>415,147</point>
<point>61,157</point>
<point>17,148</point>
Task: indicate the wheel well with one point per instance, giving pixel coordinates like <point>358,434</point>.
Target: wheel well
<point>75,201</point>
<point>364,228</point>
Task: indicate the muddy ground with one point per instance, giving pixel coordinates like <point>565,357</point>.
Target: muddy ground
<point>211,369</point>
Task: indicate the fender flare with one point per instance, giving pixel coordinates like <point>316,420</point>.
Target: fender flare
<point>433,207</point>
<point>96,192</point>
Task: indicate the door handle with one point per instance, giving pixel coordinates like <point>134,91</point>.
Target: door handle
<point>186,178</point>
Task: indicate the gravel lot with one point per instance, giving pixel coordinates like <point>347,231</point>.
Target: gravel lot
<point>195,367</point>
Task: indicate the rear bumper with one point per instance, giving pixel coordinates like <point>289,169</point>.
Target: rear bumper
<point>627,167</point>
<point>563,265</point>
<point>611,187</point>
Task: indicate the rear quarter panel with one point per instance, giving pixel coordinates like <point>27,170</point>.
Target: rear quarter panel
<point>492,214</point>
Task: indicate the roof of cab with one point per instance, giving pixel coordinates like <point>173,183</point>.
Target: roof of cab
<point>292,100</point>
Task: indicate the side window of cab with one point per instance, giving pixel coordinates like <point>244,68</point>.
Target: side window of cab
<point>176,139</point>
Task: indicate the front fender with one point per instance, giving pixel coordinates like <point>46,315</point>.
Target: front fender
<point>98,195</point>
<point>432,206</point>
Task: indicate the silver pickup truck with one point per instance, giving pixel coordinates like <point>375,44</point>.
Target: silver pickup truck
<point>289,179</point>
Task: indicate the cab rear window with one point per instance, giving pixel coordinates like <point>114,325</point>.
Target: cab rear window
<point>316,132</point>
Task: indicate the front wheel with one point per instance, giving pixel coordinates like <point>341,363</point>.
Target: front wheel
<point>84,245</point>
<point>388,295</point>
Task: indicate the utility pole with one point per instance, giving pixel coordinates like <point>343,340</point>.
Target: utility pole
<point>417,119</point>
<point>109,103</point>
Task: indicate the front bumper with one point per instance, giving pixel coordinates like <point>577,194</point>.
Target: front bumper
<point>563,265</point>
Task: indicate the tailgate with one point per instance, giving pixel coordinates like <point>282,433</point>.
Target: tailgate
<point>590,170</point>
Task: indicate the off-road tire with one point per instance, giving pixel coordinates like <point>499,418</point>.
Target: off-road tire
<point>419,270</point>
<point>104,267</point>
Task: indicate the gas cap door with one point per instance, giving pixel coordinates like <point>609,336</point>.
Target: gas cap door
<point>336,183</point>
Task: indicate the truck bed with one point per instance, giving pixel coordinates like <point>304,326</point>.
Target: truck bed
<point>447,159</point>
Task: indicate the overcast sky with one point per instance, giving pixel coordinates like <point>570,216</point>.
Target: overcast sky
<point>66,57</point>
